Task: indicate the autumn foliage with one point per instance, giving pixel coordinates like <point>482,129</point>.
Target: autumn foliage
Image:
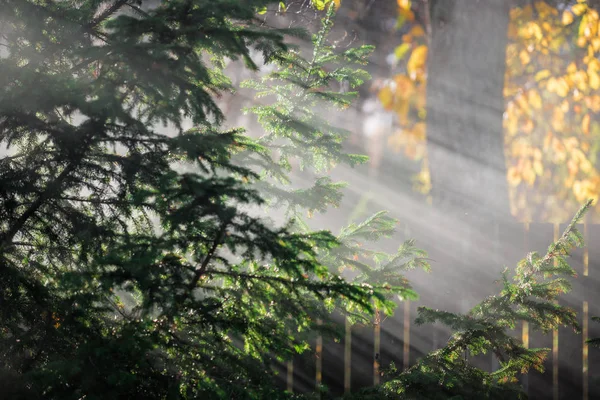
<point>551,96</point>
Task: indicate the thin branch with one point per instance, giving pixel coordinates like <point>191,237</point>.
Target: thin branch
<point>201,270</point>
<point>427,18</point>
<point>109,202</point>
<point>107,13</point>
<point>54,187</point>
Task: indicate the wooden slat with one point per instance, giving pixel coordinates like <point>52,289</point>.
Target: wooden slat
<point>585,366</point>
<point>362,357</point>
<point>376,347</point>
<point>392,340</point>
<point>348,358</point>
<point>406,354</point>
<point>555,386</point>
<point>304,370</point>
<point>541,385</point>
<point>319,362</point>
<point>290,376</point>
<point>592,296</point>
<point>333,365</point>
<point>525,326</point>
<point>332,359</point>
<point>585,330</point>
<point>569,355</point>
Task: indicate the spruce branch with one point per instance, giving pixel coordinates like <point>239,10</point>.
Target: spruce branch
<point>530,296</point>
<point>107,13</point>
<point>201,270</point>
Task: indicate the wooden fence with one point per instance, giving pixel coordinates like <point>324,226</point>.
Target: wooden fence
<point>572,368</point>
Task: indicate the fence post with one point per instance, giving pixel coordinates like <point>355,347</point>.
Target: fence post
<point>290,376</point>
<point>406,355</point>
<point>555,338</point>
<point>347,355</point>
<point>319,360</point>
<point>376,347</point>
<point>585,317</point>
<point>525,331</point>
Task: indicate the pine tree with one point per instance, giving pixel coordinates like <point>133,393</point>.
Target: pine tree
<point>295,131</point>
<point>531,295</point>
<point>131,263</point>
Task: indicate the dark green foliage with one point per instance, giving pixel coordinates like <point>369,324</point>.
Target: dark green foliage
<point>131,265</point>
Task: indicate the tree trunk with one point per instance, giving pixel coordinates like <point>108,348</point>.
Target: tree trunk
<point>466,65</point>
<point>465,145</point>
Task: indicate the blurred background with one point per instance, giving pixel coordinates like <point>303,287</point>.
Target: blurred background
<point>481,124</point>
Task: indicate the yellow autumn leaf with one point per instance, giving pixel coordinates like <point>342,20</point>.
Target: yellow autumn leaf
<point>585,124</point>
<point>404,4</point>
<point>386,97</point>
<point>585,189</point>
<point>593,102</point>
<point>528,173</point>
<point>513,176</point>
<point>535,99</point>
<point>584,29</point>
<point>579,78</point>
<point>538,167</point>
<point>402,109</point>
<point>579,8</point>
<point>528,126</point>
<point>585,146</point>
<point>560,153</point>
<point>545,10</point>
<point>548,140</point>
<point>558,86</point>
<point>571,143</point>
<point>572,167</point>
<point>567,18</point>
<point>405,87</point>
<point>563,88</point>
<point>401,50</point>
<point>524,57</point>
<point>552,84</point>
<point>586,166</point>
<point>523,103</point>
<point>594,80</point>
<point>321,4</point>
<point>419,131</point>
<point>511,125</point>
<point>542,75</point>
<point>558,120</point>
<point>417,60</point>
<point>534,30</point>
<point>417,31</point>
<point>407,14</point>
